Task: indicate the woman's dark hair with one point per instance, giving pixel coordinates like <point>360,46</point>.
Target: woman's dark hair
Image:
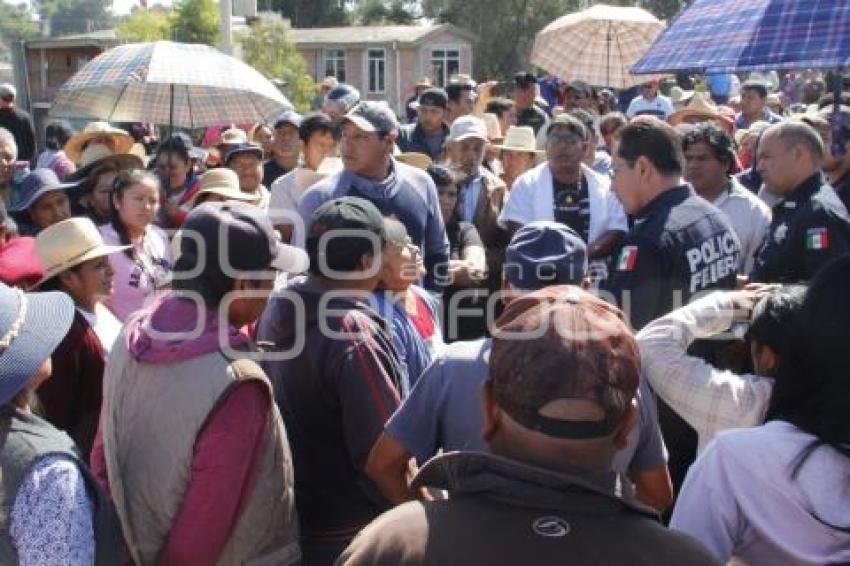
<point>812,389</point>
<point>774,316</point>
<point>499,106</point>
<point>57,134</point>
<point>653,139</point>
<point>123,181</point>
<point>317,122</point>
<point>721,144</point>
<point>178,144</point>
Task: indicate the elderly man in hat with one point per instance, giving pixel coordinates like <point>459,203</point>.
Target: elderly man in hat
<point>18,122</point>
<point>518,153</point>
<point>428,134</point>
<point>42,201</point>
<point>94,134</point>
<point>650,102</point>
<point>285,147</point>
<point>369,132</point>
<point>553,436</point>
<point>247,161</point>
<point>184,403</point>
<point>566,190</point>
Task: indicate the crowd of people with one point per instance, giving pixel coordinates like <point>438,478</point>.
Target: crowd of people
<point>563,324</point>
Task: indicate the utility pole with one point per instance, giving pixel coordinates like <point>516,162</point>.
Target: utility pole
<point>225,8</point>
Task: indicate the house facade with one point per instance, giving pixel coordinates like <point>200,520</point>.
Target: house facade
<point>385,62</point>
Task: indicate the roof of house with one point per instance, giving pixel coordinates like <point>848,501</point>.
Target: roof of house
<point>102,38</point>
<point>407,35</point>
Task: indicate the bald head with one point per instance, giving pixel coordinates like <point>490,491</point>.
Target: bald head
<point>788,154</point>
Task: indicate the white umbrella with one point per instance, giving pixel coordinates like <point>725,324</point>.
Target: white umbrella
<point>597,45</point>
<point>185,85</point>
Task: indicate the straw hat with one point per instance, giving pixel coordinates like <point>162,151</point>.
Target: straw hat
<point>121,140</point>
<point>69,243</point>
<point>520,138</point>
<point>223,182</point>
<point>755,129</point>
<point>423,82</point>
<point>97,155</point>
<point>494,130</point>
<point>418,160</point>
<point>703,109</point>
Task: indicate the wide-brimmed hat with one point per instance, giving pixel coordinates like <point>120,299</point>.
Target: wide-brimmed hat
<point>465,127</point>
<point>701,107</point>
<point>418,160</point>
<point>31,326</point>
<point>69,243</point>
<point>423,82</point>
<point>224,182</point>
<point>520,138</point>
<point>98,155</point>
<point>74,147</point>
<point>36,184</point>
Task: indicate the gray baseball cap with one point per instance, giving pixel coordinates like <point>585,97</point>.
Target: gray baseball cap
<point>373,117</point>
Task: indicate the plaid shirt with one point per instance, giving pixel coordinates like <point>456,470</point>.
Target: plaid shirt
<point>709,399</point>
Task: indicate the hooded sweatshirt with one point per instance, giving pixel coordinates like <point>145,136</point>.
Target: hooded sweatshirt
<point>227,450</point>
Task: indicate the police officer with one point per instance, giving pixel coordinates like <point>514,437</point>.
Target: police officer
<point>810,225</point>
<point>680,244</point>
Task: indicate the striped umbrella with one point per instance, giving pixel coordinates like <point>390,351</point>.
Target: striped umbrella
<point>184,85</point>
<point>597,45</point>
<point>756,35</point>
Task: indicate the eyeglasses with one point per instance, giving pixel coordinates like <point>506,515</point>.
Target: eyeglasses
<point>564,138</point>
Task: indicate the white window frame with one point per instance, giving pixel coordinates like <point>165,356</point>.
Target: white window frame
<point>339,57</point>
<point>381,88</point>
<point>444,79</point>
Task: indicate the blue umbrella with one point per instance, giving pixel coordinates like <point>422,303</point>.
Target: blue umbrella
<point>752,35</point>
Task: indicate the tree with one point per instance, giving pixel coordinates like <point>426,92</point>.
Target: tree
<point>195,21</point>
<point>16,24</point>
<point>266,48</point>
<point>145,25</point>
<point>505,29</point>
<point>397,12</point>
<point>311,13</point>
<point>76,16</point>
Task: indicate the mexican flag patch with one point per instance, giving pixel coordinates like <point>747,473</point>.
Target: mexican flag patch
<point>627,259</point>
<point>817,239</point>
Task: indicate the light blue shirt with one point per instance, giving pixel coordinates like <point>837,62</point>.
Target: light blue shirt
<point>469,198</point>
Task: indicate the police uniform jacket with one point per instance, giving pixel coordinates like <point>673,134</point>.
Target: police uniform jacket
<point>809,228</point>
<point>680,245</point>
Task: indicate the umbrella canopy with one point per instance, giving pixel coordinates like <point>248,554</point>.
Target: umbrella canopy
<point>186,85</point>
<point>597,45</point>
<point>730,35</point>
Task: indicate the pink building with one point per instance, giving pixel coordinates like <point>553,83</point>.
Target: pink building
<point>384,62</point>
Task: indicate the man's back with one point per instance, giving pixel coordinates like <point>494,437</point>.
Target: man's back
<point>504,512</point>
<point>19,123</point>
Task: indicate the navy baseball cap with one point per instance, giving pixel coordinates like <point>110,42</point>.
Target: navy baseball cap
<point>373,117</point>
<point>545,253</point>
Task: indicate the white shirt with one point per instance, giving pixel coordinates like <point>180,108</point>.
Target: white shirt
<point>709,399</point>
<point>750,217</point>
<point>660,107</point>
<point>532,198</point>
<point>105,325</point>
<point>740,500</point>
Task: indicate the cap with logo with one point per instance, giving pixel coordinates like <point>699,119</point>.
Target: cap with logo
<point>373,117</point>
<point>564,364</point>
<point>544,253</point>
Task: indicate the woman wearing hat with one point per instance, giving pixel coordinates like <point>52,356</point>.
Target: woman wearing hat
<point>53,511</point>
<point>98,133</point>
<point>76,263</point>
<point>96,174</point>
<point>145,267</point>
<point>174,167</point>
<point>42,201</point>
<point>519,153</point>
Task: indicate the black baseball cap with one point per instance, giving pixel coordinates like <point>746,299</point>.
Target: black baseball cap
<point>359,226</point>
<point>525,79</point>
